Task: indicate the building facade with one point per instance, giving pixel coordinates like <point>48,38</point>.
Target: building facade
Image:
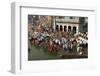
<point>66,24</point>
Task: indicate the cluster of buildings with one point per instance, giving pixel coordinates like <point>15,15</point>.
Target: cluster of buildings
<point>60,23</point>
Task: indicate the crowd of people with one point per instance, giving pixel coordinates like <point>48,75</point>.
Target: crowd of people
<point>55,42</point>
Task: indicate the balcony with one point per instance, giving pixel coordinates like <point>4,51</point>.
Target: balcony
<point>67,20</point>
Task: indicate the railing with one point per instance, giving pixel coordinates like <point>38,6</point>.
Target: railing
<point>68,20</point>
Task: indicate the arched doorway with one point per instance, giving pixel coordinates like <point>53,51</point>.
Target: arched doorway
<point>61,28</point>
<point>57,28</point>
<point>65,28</point>
<point>74,29</point>
<point>69,28</point>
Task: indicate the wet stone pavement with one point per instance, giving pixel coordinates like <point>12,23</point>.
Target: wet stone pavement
<point>39,53</point>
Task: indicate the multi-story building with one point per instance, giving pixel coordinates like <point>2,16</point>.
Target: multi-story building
<point>66,24</point>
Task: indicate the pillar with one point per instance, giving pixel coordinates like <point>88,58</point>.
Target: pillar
<point>54,24</point>
<point>71,28</point>
<point>63,28</point>
<point>77,28</point>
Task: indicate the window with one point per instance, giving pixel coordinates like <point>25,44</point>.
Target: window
<point>69,28</point>
<point>61,28</point>
<point>71,17</point>
<point>57,29</point>
<point>74,29</point>
<point>65,28</point>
